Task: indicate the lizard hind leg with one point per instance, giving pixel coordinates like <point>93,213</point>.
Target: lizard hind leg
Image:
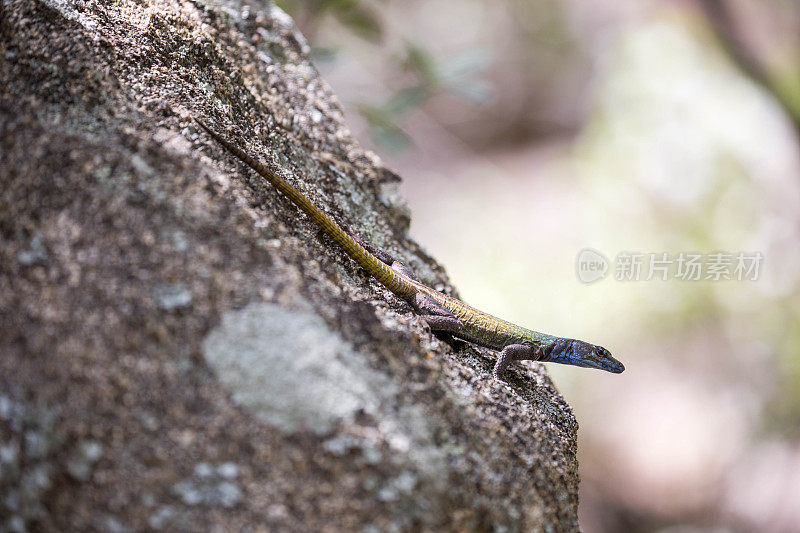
<point>380,253</point>
<point>438,317</point>
<point>443,324</point>
<point>401,269</point>
<point>425,305</point>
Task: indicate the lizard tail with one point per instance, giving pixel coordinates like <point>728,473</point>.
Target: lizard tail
<point>376,268</point>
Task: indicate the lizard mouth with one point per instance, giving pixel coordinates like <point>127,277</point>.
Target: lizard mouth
<point>605,362</point>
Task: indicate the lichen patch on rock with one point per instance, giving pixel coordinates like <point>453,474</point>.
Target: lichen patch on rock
<point>290,369</point>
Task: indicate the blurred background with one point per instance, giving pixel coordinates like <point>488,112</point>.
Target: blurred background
<point>528,130</point>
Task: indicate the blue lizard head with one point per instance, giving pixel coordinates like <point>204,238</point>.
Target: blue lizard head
<point>579,353</point>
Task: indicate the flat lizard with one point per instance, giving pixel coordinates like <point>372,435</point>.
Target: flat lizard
<point>443,313</point>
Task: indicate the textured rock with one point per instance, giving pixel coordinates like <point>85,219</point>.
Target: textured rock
<point>180,350</point>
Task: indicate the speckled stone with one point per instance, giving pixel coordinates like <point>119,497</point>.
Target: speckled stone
<point>137,260</point>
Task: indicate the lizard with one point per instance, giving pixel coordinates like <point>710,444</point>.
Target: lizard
<point>441,312</point>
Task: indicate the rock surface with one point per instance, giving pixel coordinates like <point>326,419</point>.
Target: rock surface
<point>180,349</point>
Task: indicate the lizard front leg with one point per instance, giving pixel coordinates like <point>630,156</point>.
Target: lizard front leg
<point>509,354</point>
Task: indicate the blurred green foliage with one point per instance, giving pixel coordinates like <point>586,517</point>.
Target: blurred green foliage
<point>424,75</point>
<point>786,84</point>
<point>428,78</point>
<point>359,16</point>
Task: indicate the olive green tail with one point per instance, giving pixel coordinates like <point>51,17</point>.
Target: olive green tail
<point>376,268</point>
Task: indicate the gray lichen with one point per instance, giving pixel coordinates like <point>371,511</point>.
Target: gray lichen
<point>290,369</point>
<point>210,486</point>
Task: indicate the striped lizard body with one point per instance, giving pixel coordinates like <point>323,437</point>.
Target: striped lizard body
<point>442,312</point>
